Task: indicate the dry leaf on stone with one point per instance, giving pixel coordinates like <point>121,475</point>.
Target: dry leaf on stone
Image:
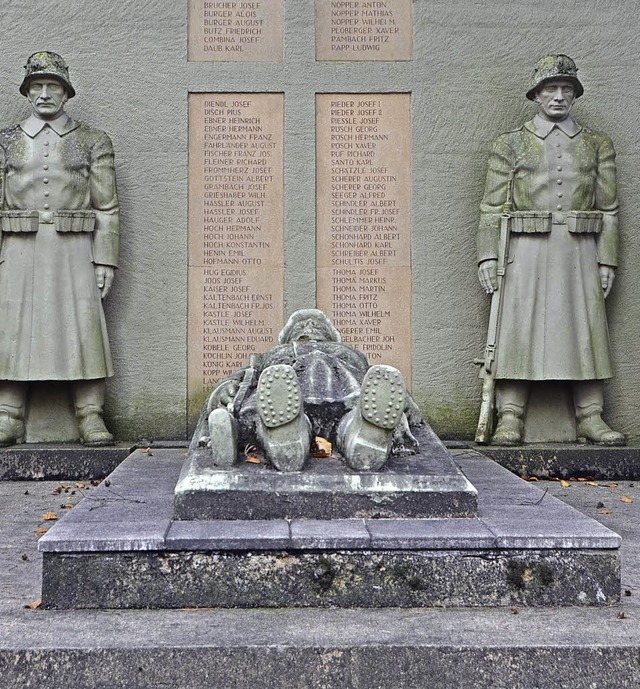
<point>32,606</point>
<point>253,460</point>
<point>592,483</point>
<point>625,498</point>
<point>321,447</point>
<point>49,516</point>
<point>67,506</point>
<point>605,511</point>
<point>611,485</point>
<point>532,478</point>
<point>621,615</point>
<point>565,484</point>
<point>83,486</point>
<point>40,530</point>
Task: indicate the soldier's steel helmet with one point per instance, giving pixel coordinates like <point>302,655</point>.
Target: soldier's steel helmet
<point>554,67</point>
<point>47,64</point>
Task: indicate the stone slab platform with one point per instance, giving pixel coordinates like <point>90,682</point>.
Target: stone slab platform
<point>315,648</point>
<point>559,460</point>
<point>120,547</point>
<point>425,485</point>
<point>58,462</point>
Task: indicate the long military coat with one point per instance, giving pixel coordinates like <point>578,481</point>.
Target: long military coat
<point>59,219</point>
<point>565,223</point>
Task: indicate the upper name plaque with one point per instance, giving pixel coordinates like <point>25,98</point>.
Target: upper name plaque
<point>235,30</point>
<point>364,30</point>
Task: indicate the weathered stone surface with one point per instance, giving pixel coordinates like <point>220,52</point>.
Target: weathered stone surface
<point>568,461</point>
<point>525,547</point>
<point>63,462</point>
<point>343,578</point>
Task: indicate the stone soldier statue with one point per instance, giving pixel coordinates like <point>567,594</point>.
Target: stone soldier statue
<point>311,384</point>
<point>562,255</point>
<point>60,238</point>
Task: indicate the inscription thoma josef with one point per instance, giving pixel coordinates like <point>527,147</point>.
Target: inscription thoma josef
<point>363,222</point>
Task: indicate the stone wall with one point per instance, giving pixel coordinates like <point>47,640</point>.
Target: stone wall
<point>467,80</point>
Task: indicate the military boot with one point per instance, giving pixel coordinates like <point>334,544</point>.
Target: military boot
<point>88,399</point>
<point>285,431</point>
<point>509,430</point>
<point>11,427</point>
<point>365,433</point>
<point>588,398</point>
<point>13,399</point>
<point>223,436</point>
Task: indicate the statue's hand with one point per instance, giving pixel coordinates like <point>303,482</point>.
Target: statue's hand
<point>104,279</point>
<point>228,392</point>
<point>488,275</point>
<point>607,276</point>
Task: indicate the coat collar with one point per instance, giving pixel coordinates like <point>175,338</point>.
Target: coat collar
<point>542,128</point>
<point>62,125</point>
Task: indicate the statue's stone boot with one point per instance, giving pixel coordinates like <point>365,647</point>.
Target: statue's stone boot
<point>285,432</point>
<point>509,430</point>
<point>88,399</point>
<point>11,428</point>
<point>13,399</point>
<point>223,435</point>
<point>593,429</point>
<point>365,433</point>
<point>588,398</point>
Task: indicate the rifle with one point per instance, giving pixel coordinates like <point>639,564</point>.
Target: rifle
<point>487,372</point>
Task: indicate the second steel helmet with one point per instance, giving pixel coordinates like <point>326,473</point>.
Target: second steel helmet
<point>47,64</point>
<point>554,67</point>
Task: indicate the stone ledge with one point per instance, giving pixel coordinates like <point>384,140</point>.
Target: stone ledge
<point>566,461</point>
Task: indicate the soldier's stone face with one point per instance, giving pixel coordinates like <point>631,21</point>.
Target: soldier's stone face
<point>47,97</point>
<point>555,99</point>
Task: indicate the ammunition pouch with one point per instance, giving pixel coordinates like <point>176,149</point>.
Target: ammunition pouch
<point>531,221</point>
<point>584,222</point>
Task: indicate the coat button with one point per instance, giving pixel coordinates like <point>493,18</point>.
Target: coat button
<point>45,167</point>
<point>45,180</point>
<point>558,181</point>
<point>46,193</point>
<point>46,206</point>
<point>559,207</point>
<point>46,143</point>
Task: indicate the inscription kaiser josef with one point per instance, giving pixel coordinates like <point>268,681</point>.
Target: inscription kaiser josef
<point>363,231</point>
<point>235,231</point>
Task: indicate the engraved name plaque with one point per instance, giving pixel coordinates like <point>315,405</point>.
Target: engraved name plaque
<point>236,249</point>
<point>364,29</point>
<point>363,229</point>
<point>235,30</point>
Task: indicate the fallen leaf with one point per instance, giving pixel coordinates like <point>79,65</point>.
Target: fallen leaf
<point>611,485</point>
<point>25,557</point>
<point>600,504</point>
<point>40,530</point>
<point>253,460</point>
<point>514,611</point>
<point>606,510</point>
<point>532,478</point>
<point>627,592</point>
<point>49,516</point>
<point>36,604</point>
<point>565,484</point>
<point>82,485</point>
<point>67,506</point>
<point>27,492</point>
<point>625,498</point>
<point>621,615</point>
<point>321,447</point>
<point>147,451</point>
<point>591,483</point>
<point>107,483</point>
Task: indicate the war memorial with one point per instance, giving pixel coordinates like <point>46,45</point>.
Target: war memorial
<point>318,343</point>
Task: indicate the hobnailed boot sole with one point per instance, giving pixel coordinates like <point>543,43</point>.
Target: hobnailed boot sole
<point>286,433</point>
<point>381,405</point>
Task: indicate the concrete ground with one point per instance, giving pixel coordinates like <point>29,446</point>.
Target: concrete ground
<point>308,648</point>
